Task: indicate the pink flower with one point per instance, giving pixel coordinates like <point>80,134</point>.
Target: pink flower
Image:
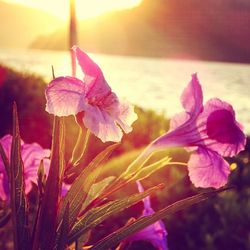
<point>210,132</point>
<point>32,154</point>
<point>103,113</point>
<point>155,233</point>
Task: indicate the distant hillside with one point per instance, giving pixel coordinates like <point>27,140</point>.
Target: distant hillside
<point>20,25</point>
<point>210,30</point>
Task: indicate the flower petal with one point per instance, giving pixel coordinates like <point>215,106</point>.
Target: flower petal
<point>222,133</point>
<point>126,116</point>
<point>88,66</point>
<point>155,234</point>
<point>192,97</point>
<point>96,86</point>
<point>178,120</point>
<point>100,123</point>
<point>3,191</point>
<point>32,154</point>
<point>208,169</point>
<point>65,96</point>
<point>6,144</point>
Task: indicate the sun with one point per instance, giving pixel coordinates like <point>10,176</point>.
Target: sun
<point>84,8</point>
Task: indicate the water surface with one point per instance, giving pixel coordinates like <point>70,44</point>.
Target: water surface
<point>149,82</point>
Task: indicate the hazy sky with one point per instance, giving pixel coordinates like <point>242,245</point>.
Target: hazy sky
<point>85,8</point>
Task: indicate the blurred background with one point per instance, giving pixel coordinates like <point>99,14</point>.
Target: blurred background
<point>148,50</point>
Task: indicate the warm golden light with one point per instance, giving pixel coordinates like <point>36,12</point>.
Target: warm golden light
<point>85,9</point>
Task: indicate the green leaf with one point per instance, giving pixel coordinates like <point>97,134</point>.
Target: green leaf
<point>138,163</point>
<point>119,235</point>
<point>150,169</point>
<point>80,188</point>
<point>46,226</point>
<point>99,214</point>
<point>82,240</point>
<point>96,189</point>
<point>63,231</point>
<point>17,191</point>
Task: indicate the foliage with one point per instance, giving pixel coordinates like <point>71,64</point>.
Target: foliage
<point>203,226</point>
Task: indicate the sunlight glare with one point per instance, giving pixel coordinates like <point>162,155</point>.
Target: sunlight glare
<point>85,9</point>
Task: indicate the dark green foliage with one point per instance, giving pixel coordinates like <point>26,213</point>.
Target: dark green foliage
<point>28,92</point>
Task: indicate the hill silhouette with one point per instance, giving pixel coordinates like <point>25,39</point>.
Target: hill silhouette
<point>20,25</point>
<point>194,29</point>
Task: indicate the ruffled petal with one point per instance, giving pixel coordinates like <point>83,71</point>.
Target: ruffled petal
<point>178,120</point>
<point>192,97</point>
<point>96,86</point>
<point>126,116</point>
<point>219,128</point>
<point>6,142</point>
<point>65,96</point>
<point>155,234</point>
<point>88,66</point>
<point>32,153</point>
<point>100,123</point>
<point>208,169</point>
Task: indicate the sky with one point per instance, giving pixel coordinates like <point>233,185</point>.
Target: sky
<point>85,8</point>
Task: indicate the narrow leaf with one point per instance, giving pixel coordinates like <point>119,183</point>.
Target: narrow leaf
<point>99,214</point>
<point>46,226</point>
<point>80,188</point>
<point>96,189</point>
<point>119,235</point>
<point>82,240</point>
<point>138,163</point>
<point>150,169</point>
<point>63,231</point>
<point>17,191</point>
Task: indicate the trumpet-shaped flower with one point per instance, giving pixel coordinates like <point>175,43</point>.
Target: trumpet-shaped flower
<point>91,100</point>
<point>210,132</point>
<point>32,154</point>
<point>155,233</point>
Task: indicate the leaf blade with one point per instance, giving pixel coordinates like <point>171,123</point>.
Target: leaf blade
<point>46,226</point>
<point>114,238</point>
<point>97,215</point>
<point>80,188</point>
<point>17,189</point>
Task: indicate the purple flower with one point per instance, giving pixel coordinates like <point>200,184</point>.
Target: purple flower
<point>91,100</point>
<point>210,132</point>
<point>155,233</point>
<point>32,154</point>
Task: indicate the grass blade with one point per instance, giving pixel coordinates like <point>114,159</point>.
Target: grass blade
<point>117,236</point>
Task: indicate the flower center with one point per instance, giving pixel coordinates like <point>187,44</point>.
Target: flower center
<point>221,127</point>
